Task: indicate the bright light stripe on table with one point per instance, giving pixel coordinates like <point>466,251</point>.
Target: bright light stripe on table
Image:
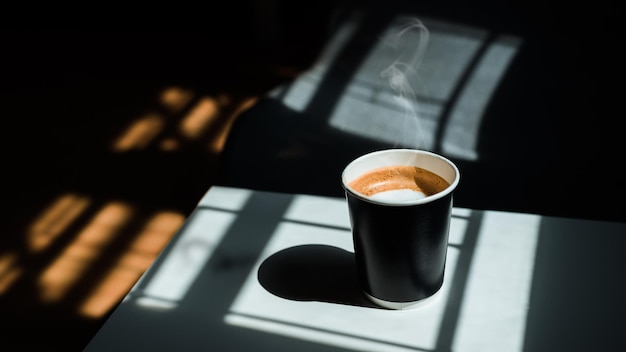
<point>357,343</point>
<point>494,311</point>
<point>319,210</point>
<point>341,325</point>
<point>458,226</point>
<point>189,254</point>
<point>228,198</point>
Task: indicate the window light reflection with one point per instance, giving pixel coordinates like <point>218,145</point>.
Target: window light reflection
<point>200,118</point>
<point>498,251</point>
<point>54,220</point>
<point>140,133</point>
<point>67,269</point>
<point>497,295</point>
<point>460,70</point>
<point>192,250</point>
<point>218,142</point>
<point>132,265</point>
<point>186,259</point>
<point>9,271</point>
<point>175,98</point>
<point>461,135</point>
<point>169,144</point>
<point>312,219</point>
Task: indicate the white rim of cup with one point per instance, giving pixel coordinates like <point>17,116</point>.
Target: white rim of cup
<point>424,200</point>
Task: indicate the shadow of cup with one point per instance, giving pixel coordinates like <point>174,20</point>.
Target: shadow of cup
<point>313,273</point>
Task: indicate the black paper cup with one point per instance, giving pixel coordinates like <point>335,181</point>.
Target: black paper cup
<point>400,245</point>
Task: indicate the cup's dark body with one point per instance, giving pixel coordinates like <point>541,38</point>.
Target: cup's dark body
<point>400,240</point>
<point>400,250</point>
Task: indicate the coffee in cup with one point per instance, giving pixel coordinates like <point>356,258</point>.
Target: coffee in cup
<point>399,183</point>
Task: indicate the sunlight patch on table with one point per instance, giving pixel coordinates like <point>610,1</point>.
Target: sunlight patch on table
<point>185,259</point>
<point>319,210</point>
<point>228,198</point>
<point>343,325</point>
<point>494,312</point>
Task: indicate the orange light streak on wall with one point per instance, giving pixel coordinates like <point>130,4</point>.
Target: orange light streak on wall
<point>67,269</point>
<point>54,220</point>
<point>140,133</point>
<point>218,142</point>
<point>169,144</point>
<point>175,98</point>
<point>9,272</point>
<point>144,250</point>
<point>199,118</point>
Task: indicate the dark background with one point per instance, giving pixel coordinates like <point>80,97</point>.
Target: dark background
<point>70,84</point>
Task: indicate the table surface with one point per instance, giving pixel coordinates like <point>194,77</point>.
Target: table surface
<point>252,270</point>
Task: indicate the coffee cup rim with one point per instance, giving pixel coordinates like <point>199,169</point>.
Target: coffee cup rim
<point>428,199</point>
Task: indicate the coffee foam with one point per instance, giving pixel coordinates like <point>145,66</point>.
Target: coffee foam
<point>397,195</point>
<point>398,183</point>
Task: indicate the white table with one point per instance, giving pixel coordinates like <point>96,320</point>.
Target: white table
<point>261,271</point>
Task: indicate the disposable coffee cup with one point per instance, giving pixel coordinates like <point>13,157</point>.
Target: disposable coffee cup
<point>400,217</point>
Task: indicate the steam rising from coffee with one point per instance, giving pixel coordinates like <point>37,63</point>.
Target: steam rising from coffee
<point>400,72</point>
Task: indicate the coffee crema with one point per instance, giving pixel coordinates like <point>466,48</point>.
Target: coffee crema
<point>399,177</point>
